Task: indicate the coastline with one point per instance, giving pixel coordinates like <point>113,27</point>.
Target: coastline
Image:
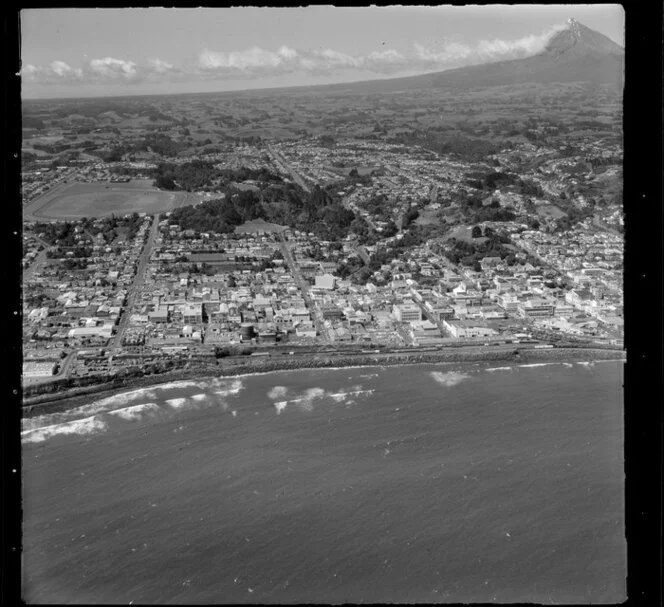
<point>44,404</point>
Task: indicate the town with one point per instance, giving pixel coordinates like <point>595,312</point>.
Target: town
<point>296,245</point>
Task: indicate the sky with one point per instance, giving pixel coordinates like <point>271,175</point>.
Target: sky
<point>112,52</point>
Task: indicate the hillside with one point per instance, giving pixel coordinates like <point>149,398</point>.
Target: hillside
<point>575,54</point>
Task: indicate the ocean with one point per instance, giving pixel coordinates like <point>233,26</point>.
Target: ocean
<point>420,483</point>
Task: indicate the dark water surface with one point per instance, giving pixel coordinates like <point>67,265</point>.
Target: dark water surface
<point>430,483</point>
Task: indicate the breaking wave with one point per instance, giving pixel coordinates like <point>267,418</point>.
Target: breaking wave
<point>177,403</point>
<point>500,369</point>
<point>81,427</point>
<point>306,400</point>
<point>449,379</point>
<point>135,412</point>
<point>277,392</point>
<point>235,387</point>
<point>127,406</point>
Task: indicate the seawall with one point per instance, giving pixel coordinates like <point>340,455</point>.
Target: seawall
<point>75,397</point>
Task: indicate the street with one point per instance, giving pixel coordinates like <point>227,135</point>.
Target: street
<point>136,285</point>
<point>284,166</point>
<point>304,288</point>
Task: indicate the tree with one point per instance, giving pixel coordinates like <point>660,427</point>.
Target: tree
<point>390,229</point>
<point>476,232</point>
<point>164,182</point>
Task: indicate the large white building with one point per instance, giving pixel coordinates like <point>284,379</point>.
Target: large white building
<point>468,328</point>
<point>192,314</point>
<point>407,312</point>
<point>326,281</point>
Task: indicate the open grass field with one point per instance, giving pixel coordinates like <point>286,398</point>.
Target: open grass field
<point>76,200</point>
<point>464,233</point>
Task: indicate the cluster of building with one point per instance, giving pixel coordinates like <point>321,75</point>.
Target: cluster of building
<point>592,262</point>
<point>37,182</point>
<point>404,180</point>
<point>264,285</point>
<point>65,308</point>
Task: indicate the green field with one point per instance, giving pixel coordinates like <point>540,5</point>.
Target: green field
<point>76,200</point>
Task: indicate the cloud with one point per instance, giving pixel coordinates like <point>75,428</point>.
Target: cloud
<point>256,62</point>
<point>56,71</point>
<point>253,59</point>
<point>110,68</point>
<point>160,67</point>
<point>485,50</point>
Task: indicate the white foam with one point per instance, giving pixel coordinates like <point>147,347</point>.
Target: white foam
<point>181,384</point>
<point>449,379</point>
<point>341,396</point>
<point>306,400</point>
<point>87,425</point>
<point>176,403</point>
<point>277,392</point>
<point>103,405</point>
<point>199,397</point>
<point>234,413</point>
<point>135,412</point>
<point>313,393</point>
<point>235,388</point>
<point>537,364</point>
<point>120,399</point>
<point>568,364</point>
<point>500,369</point>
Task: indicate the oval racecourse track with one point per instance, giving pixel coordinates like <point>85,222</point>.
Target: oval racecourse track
<point>76,200</point>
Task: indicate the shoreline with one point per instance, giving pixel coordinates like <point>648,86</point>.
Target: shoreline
<point>62,401</point>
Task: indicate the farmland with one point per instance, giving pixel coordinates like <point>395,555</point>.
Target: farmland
<point>76,200</point>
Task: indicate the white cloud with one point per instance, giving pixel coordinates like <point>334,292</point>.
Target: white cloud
<point>56,71</point>
<point>287,53</point>
<point>110,68</point>
<point>256,62</point>
<point>64,70</point>
<point>160,67</point>
<point>254,58</point>
<point>485,50</point>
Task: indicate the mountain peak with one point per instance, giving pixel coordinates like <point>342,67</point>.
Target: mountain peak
<point>573,26</point>
<point>577,39</point>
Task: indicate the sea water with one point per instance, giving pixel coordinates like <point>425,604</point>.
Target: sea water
<point>421,483</point>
